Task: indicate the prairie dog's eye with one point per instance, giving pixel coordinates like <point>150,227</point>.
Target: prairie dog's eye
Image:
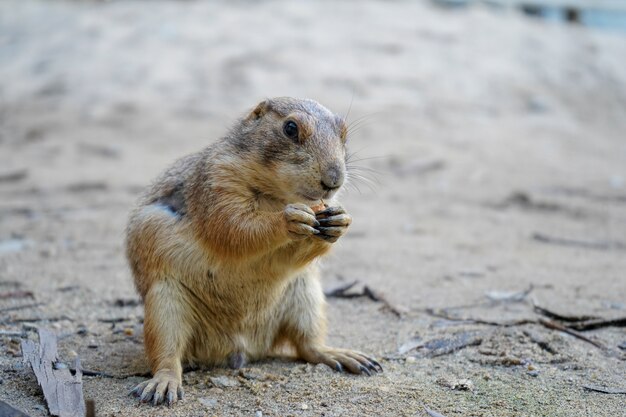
<point>290,129</point>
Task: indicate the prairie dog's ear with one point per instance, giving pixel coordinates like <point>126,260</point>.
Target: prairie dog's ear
<point>260,110</point>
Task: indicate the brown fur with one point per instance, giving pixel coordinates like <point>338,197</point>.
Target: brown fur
<point>222,247</point>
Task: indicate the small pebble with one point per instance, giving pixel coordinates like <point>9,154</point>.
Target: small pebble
<point>304,406</point>
<point>323,369</point>
<point>215,391</point>
<point>457,384</point>
<point>14,350</point>
<point>258,413</point>
<point>208,402</point>
<point>531,367</point>
<point>410,359</point>
<point>12,245</point>
<point>224,381</point>
<point>253,374</point>
<point>128,331</point>
<point>463,385</point>
<point>534,373</point>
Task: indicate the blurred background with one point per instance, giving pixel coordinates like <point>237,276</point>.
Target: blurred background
<point>493,140</point>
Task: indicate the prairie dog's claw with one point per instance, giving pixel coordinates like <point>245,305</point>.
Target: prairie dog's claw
<point>163,387</point>
<point>301,221</point>
<point>333,223</point>
<point>343,219</point>
<point>345,360</point>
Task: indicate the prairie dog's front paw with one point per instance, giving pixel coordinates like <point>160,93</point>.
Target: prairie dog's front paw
<point>301,222</point>
<point>333,223</point>
<point>165,386</point>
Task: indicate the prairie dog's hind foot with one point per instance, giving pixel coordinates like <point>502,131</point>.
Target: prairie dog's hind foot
<point>165,386</point>
<point>343,359</point>
<point>237,360</point>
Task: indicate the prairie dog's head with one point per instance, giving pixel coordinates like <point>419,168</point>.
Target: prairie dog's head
<point>300,147</point>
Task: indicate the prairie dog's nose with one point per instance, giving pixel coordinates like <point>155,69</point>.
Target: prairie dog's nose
<point>332,178</point>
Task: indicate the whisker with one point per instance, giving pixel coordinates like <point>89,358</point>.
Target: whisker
<point>359,175</point>
<point>349,107</point>
<point>363,180</point>
<point>349,160</point>
<point>364,170</point>
<point>358,125</point>
<point>365,116</point>
<point>370,186</point>
<point>351,155</point>
<point>355,130</point>
<point>358,119</point>
<point>353,185</point>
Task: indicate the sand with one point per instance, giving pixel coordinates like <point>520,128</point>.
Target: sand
<point>498,148</point>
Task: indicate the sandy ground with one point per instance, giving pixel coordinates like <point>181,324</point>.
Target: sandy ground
<point>500,153</point>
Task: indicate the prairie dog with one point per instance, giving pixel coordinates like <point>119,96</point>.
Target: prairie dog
<point>223,247</point>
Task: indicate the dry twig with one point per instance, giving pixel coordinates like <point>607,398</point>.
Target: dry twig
<point>595,245</point>
<point>557,326</point>
<point>444,315</point>
<point>604,390</point>
<point>581,322</point>
<point>551,314</point>
<point>37,319</point>
<point>21,307</point>
<point>546,323</point>
<point>114,320</point>
<point>599,324</point>
<point>342,292</point>
<point>445,346</point>
<point>63,392</point>
<point>91,408</point>
<point>17,294</point>
<point>432,413</point>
